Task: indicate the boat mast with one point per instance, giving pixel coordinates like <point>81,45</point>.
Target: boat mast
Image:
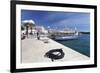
<point>76,32</point>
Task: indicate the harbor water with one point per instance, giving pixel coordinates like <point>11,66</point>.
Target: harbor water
<point>81,44</point>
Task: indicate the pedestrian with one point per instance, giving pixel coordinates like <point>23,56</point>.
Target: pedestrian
<point>38,35</point>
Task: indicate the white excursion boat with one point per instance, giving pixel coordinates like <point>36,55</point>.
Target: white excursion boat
<point>64,35</point>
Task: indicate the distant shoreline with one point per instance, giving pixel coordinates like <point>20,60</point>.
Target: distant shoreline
<point>84,32</point>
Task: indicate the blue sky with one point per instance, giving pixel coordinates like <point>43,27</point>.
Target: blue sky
<point>58,20</point>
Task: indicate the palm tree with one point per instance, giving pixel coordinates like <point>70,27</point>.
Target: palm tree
<point>30,26</point>
<point>22,27</point>
<point>26,25</point>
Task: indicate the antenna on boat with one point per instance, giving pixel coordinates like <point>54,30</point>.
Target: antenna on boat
<point>76,31</point>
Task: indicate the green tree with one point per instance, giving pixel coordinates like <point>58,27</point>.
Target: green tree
<point>29,26</point>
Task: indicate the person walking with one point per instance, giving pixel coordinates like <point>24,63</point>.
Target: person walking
<point>38,35</point>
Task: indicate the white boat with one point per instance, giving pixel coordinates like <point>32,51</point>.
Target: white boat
<point>67,37</point>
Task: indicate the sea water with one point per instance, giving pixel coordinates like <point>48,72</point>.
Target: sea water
<point>81,44</point>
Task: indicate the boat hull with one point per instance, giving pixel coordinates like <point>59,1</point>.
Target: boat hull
<point>66,38</point>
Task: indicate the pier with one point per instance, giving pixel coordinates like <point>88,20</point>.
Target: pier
<point>33,51</point>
